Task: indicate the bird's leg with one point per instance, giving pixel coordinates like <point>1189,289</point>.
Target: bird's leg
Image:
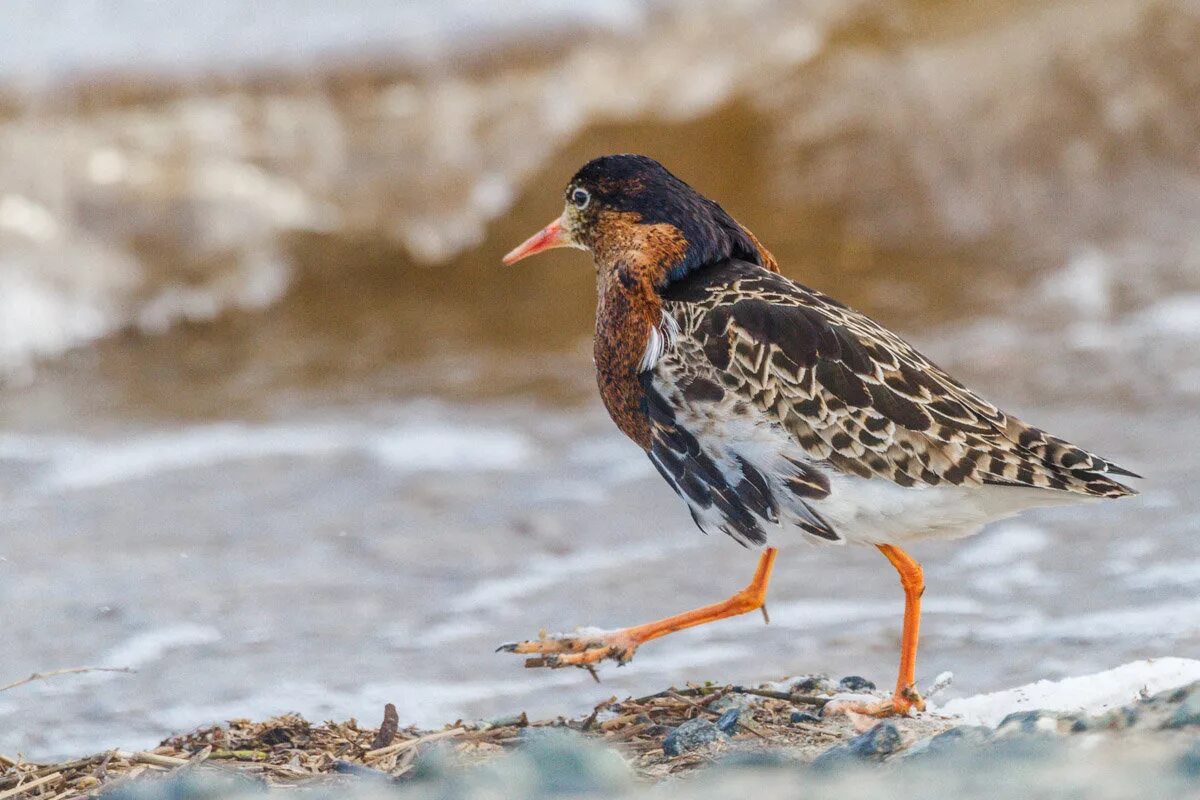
<point>905,698</point>
<point>912,578</point>
<point>588,648</point>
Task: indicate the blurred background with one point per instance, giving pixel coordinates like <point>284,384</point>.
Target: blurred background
<point>278,431</point>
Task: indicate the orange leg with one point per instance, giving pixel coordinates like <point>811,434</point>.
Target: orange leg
<point>912,579</point>
<point>585,649</point>
<point>905,698</point>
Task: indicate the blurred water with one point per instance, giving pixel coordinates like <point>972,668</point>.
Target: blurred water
<point>63,39</point>
<point>277,430</point>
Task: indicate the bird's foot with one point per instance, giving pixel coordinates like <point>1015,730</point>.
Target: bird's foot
<point>582,649</point>
<point>900,704</point>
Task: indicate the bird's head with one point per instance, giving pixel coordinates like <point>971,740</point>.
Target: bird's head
<point>640,221</point>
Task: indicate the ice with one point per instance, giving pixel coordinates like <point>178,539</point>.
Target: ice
<point>1087,693</point>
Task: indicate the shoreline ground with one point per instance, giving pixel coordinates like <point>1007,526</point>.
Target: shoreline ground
<point>1150,709</point>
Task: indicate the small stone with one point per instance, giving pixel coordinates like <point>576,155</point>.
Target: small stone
<point>882,740</point>
<point>434,763</point>
<point>1114,720</point>
<point>690,735</point>
<point>734,700</point>
<point>804,716</point>
<point>566,763</point>
<point>953,741</point>
<point>1029,722</point>
<point>729,720</point>
<point>344,767</point>
<point>755,758</point>
<point>855,683</point>
<point>1021,719</point>
<point>834,758</point>
<point>1027,749</point>
<point>513,720</point>
<point>1188,713</point>
<point>1189,762</point>
<point>812,684</point>
<point>185,786</point>
<point>277,735</point>
<point>553,733</point>
<point>556,762</point>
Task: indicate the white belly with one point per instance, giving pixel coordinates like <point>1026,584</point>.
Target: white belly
<point>877,511</point>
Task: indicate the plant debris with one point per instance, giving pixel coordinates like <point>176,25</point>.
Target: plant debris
<point>290,751</point>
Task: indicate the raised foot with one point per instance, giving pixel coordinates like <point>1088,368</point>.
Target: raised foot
<point>900,704</point>
<point>582,649</point>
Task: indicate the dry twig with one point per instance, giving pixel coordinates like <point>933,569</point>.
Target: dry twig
<point>41,676</point>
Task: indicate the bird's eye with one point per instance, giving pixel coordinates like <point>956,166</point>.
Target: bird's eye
<point>580,198</point>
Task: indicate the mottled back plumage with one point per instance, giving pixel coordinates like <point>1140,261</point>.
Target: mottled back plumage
<point>855,398</point>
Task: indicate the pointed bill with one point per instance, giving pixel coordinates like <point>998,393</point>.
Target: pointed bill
<point>549,237</point>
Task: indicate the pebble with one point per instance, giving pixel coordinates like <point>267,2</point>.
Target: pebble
<point>734,700</point>
<point>1114,720</point>
<point>690,735</point>
<point>434,763</point>
<point>1188,713</point>
<point>519,720</point>
<point>1029,722</point>
<point>564,762</point>
<point>953,741</point>
<point>804,716</point>
<point>1189,762</point>
<point>882,740</point>
<point>755,758</point>
<point>729,720</point>
<point>855,683</point>
<point>187,786</point>
<point>812,684</point>
<point>556,733</point>
<point>360,771</point>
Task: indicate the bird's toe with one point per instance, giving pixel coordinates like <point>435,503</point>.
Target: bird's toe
<point>576,650</point>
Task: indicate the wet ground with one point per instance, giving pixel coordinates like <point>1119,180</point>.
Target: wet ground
<point>298,460</point>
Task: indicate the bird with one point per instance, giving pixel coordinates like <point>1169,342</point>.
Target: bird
<point>779,414</point>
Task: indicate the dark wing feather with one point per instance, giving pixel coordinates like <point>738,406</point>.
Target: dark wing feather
<point>856,395</point>
<point>737,509</point>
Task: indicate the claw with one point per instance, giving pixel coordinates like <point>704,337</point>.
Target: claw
<point>911,698</point>
<point>898,705</point>
<point>582,650</point>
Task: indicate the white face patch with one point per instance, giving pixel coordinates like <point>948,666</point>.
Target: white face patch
<point>662,337</point>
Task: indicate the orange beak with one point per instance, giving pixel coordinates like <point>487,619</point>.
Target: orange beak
<point>547,238</point>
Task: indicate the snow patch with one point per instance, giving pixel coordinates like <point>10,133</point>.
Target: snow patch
<point>1092,694</point>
